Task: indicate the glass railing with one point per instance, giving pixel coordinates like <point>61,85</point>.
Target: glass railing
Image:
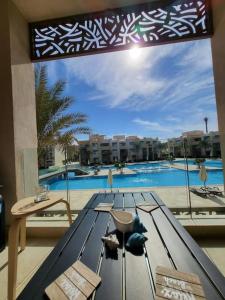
<point>177,182</point>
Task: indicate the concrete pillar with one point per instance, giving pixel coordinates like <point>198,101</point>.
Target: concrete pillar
<point>218,53</point>
<point>18,136</point>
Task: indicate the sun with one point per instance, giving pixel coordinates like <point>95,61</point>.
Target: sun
<point>135,53</point>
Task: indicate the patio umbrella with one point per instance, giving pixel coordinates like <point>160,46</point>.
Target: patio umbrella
<point>110,179</point>
<point>203,174</point>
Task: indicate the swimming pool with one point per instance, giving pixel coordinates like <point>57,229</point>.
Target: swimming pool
<point>163,177</point>
<point>148,167</point>
<point>208,162</point>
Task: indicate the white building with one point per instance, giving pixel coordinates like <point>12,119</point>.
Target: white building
<point>100,149</point>
<point>196,143</point>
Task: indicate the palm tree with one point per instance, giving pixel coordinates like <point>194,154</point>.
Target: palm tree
<point>55,125</point>
<point>160,147</point>
<point>206,145</point>
<point>137,147</point>
<point>206,124</point>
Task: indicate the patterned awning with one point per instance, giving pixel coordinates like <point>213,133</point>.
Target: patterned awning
<point>150,24</point>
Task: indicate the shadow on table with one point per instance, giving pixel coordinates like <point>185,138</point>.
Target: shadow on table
<point>113,254</point>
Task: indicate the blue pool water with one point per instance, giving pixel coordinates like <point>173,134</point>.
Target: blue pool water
<point>160,177</point>
<point>209,163</point>
<point>148,167</point>
<point>145,165</point>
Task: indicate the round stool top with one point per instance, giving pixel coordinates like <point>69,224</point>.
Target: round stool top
<point>27,206</point>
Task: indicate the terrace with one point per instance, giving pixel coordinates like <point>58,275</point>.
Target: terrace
<point>18,153</point>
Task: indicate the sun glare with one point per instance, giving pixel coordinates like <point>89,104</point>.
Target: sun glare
<point>135,53</point>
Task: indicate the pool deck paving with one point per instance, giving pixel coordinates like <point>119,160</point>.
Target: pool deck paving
<point>173,197</point>
<point>183,167</point>
<point>105,172</point>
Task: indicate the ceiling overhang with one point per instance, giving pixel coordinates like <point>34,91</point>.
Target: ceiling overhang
<point>40,10</point>
<point>148,24</point>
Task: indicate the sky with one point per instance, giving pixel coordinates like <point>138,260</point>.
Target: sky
<point>159,91</point>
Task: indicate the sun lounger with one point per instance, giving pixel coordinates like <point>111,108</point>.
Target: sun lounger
<point>200,192</point>
<point>213,190</point>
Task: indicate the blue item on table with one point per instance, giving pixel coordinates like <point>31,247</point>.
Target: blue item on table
<point>138,226</point>
<point>136,240</point>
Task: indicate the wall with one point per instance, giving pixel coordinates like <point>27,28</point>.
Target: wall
<point>59,157</point>
<point>17,112</point>
<point>7,151</point>
<point>218,53</point>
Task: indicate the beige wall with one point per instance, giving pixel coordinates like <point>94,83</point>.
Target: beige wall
<point>59,156</point>
<point>17,110</point>
<point>23,105</point>
<point>7,153</point>
<point>218,53</point>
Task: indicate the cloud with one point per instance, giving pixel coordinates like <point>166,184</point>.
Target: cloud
<point>198,56</point>
<point>163,129</point>
<point>174,83</point>
<point>135,84</point>
<point>122,81</point>
<point>173,119</point>
<point>155,127</point>
<point>115,78</point>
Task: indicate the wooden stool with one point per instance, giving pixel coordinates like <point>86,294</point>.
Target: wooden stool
<point>17,232</point>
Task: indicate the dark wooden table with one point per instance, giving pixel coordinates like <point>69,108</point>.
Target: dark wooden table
<point>127,275</point>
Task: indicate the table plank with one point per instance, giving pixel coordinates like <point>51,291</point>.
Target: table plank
<point>73,249</point>
<point>98,199</point>
<point>138,198</point>
<point>65,258</point>
<point>156,251</point>
<point>128,200</point>
<point>118,201</point>
<point>149,198</point>
<point>109,198</point>
<point>111,287</point>
<point>207,265</point>
<point>88,205</point>
<point>93,246</point>
<point>157,199</point>
<point>137,277</point>
<point>181,256</point>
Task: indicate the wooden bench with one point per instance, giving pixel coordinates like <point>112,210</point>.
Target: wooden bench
<point>127,275</point>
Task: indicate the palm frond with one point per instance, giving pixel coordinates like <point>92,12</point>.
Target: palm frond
<point>55,125</point>
<point>81,130</point>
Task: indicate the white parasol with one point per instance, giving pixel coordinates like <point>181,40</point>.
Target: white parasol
<point>110,179</point>
<point>203,174</point>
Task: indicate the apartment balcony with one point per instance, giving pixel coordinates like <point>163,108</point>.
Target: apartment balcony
<point>19,174</point>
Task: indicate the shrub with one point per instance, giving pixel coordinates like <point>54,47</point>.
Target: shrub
<point>199,161</point>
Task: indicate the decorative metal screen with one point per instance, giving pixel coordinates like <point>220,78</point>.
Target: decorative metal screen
<point>148,24</point>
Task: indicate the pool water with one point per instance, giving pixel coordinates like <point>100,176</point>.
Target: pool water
<point>148,167</point>
<point>209,163</point>
<point>161,177</point>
